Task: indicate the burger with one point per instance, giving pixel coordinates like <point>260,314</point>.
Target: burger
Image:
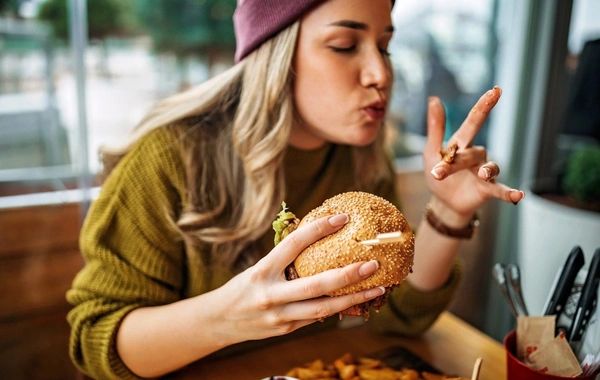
<point>369,217</point>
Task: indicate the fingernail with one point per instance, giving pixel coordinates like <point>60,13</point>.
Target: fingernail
<point>375,292</point>
<point>338,220</point>
<point>488,173</point>
<point>431,100</point>
<point>516,196</point>
<point>368,268</point>
<point>439,172</point>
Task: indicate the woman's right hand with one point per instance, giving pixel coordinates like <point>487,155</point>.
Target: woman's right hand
<point>260,302</point>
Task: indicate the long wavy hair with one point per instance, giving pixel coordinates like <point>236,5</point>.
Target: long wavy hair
<point>235,136</point>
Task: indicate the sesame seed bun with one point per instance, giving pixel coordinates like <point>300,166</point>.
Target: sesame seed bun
<point>369,216</point>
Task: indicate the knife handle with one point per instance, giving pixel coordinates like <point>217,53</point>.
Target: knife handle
<point>513,275</point>
<point>564,284</point>
<point>587,300</point>
<point>499,276</point>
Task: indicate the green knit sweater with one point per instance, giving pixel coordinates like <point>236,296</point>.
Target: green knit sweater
<point>134,258</point>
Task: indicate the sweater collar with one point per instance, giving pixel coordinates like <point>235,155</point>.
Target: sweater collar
<point>306,164</point>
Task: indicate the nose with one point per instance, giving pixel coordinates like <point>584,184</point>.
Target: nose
<point>376,71</point>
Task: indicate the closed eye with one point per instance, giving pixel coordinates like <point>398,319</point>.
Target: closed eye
<point>348,49</point>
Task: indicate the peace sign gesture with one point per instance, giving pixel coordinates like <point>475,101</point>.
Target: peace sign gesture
<point>462,178</point>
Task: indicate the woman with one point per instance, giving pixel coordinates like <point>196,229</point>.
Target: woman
<point>179,254</point>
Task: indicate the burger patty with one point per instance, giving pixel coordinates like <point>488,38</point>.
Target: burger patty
<point>363,308</point>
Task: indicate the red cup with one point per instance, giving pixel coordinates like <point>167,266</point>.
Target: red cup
<point>517,370</point>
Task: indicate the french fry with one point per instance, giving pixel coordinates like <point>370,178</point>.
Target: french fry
<point>317,365</point>
<point>349,367</point>
<point>348,358</point>
<point>410,374</point>
<point>292,372</point>
<point>313,374</point>
<point>339,364</point>
<point>347,372</point>
<point>432,376</point>
<point>377,374</point>
<point>369,363</point>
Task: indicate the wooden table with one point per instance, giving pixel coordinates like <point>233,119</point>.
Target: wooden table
<point>451,346</point>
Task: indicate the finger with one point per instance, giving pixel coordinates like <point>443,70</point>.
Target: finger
<point>489,171</point>
<point>326,306</point>
<point>436,124</point>
<point>470,127</point>
<point>295,325</point>
<point>289,248</point>
<point>324,283</point>
<point>507,194</point>
<point>467,159</point>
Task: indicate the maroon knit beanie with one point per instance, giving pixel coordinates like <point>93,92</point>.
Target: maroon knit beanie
<point>255,21</point>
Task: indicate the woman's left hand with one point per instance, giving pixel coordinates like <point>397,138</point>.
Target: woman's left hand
<point>468,180</point>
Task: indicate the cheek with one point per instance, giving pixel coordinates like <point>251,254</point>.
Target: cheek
<point>310,103</point>
<point>321,90</point>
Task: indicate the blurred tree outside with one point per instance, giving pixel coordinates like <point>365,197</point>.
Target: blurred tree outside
<point>189,28</point>
<point>106,18</point>
<point>10,8</point>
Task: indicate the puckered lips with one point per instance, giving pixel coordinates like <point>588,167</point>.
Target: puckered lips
<point>376,110</point>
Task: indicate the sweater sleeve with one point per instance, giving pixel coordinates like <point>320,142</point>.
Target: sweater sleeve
<point>133,255</point>
<point>410,311</point>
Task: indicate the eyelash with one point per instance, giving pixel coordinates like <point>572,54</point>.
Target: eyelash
<point>343,50</point>
<point>351,49</point>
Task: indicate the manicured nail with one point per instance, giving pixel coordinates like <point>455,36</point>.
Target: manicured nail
<point>338,220</point>
<point>488,173</point>
<point>375,292</point>
<point>439,172</point>
<point>368,268</point>
<point>516,196</point>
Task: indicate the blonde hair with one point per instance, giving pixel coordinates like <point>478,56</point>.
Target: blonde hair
<point>234,148</point>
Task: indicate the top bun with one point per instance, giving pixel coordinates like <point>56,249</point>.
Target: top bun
<point>369,216</point>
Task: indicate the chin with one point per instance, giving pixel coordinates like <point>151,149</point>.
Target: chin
<point>353,134</point>
<point>365,137</point>
<point>365,143</point>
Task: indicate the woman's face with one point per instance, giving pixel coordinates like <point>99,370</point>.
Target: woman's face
<point>342,73</point>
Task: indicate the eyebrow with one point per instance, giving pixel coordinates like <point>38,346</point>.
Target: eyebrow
<point>357,25</point>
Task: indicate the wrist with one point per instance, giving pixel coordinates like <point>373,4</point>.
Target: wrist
<point>448,216</point>
<point>450,223</point>
<point>208,310</point>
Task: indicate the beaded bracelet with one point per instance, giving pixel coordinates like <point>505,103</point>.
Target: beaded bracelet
<point>460,233</point>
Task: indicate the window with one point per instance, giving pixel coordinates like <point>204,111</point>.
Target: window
<point>442,48</point>
<point>138,52</point>
<point>35,143</point>
<point>149,50</point>
<point>577,107</point>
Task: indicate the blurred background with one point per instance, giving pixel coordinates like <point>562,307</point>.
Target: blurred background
<point>76,75</point>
